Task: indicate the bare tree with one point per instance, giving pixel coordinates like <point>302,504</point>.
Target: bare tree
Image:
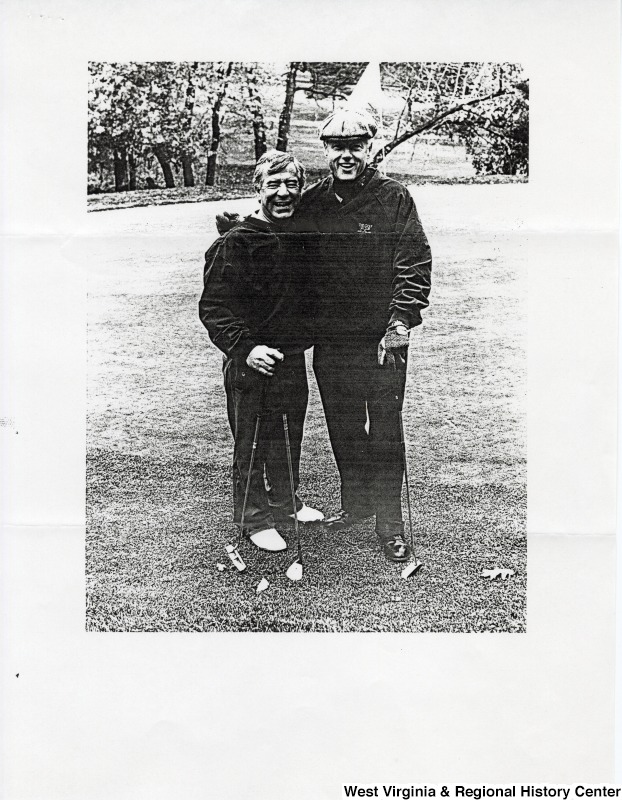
<point>285,117</point>
<point>484,104</point>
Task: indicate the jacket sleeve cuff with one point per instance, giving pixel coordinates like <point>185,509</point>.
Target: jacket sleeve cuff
<point>401,316</point>
<point>242,349</point>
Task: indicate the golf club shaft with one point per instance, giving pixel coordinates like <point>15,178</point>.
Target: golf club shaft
<point>404,457</point>
<point>291,484</point>
<point>410,515</point>
<point>252,458</point>
<point>249,476</point>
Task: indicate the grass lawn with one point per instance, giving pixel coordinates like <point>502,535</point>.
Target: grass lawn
<point>159,448</point>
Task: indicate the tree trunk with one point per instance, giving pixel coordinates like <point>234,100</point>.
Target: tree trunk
<point>288,104</point>
<point>131,161</point>
<point>210,174</point>
<point>120,170</point>
<point>165,163</point>
<point>186,157</point>
<point>259,132</point>
<point>186,164</point>
<point>259,124</point>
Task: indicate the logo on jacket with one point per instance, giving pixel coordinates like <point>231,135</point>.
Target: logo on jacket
<point>364,227</point>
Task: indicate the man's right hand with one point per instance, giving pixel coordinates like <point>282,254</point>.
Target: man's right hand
<point>393,345</point>
<point>226,221</point>
<point>264,359</point>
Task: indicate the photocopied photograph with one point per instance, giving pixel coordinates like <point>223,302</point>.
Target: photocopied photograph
<point>306,374</point>
<point>325,350</point>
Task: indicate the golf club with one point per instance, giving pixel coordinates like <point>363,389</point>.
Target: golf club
<point>413,565</point>
<point>236,558</point>
<point>233,550</point>
<point>294,571</point>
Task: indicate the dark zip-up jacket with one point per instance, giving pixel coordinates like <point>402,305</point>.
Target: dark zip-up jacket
<point>374,262</point>
<point>257,290</point>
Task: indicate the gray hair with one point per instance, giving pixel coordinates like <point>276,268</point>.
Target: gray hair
<point>275,161</point>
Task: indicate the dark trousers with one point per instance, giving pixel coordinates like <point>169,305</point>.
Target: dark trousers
<point>250,394</point>
<point>355,389</point>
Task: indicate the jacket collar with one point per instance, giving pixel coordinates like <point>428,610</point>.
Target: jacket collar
<point>257,223</point>
<point>347,190</point>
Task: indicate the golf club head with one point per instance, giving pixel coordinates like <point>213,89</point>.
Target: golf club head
<point>411,568</point>
<point>294,571</point>
<point>236,558</point>
<point>262,586</point>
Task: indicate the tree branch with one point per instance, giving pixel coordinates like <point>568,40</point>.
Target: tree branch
<point>386,149</point>
<point>489,125</point>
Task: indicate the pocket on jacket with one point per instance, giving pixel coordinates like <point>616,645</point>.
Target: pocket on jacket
<point>244,377</point>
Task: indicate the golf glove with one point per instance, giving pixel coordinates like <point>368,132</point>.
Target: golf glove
<point>394,342</point>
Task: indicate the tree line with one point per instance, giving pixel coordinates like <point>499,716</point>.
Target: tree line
<point>171,117</point>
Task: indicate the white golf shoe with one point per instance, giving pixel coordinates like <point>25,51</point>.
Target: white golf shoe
<point>268,539</point>
<point>307,515</point>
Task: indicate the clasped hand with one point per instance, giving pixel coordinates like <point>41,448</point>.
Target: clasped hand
<point>264,359</point>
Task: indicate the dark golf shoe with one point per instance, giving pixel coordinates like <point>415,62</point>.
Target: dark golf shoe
<point>394,546</point>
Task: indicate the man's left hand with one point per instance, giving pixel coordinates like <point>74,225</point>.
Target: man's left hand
<point>394,341</point>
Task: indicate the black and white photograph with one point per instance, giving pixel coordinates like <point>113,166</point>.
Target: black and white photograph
<point>306,346</point>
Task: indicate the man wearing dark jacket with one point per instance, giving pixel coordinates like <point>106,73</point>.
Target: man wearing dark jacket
<point>374,281</point>
<point>255,305</point>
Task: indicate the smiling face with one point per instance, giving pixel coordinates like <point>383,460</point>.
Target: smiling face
<point>347,158</point>
<point>279,195</point>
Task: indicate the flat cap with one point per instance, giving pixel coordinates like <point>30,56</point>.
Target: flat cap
<point>348,124</point>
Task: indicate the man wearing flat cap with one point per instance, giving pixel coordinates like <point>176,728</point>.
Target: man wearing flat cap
<point>373,275</point>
